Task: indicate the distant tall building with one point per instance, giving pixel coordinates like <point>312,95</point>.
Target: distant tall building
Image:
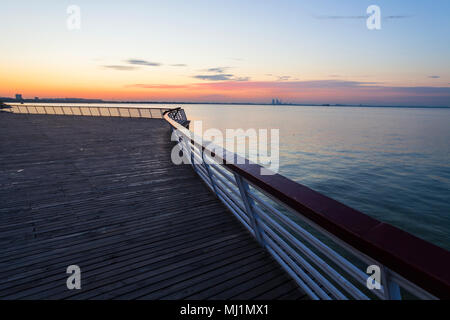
<point>36,98</point>
<point>276,101</point>
<point>19,97</point>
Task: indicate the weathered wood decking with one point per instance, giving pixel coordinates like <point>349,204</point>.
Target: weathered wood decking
<point>102,193</point>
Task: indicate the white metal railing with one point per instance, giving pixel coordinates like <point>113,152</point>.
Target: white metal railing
<point>323,265</point>
<point>88,110</point>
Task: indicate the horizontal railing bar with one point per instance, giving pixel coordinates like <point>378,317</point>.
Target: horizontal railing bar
<point>291,223</point>
<point>220,170</point>
<point>228,180</point>
<point>197,147</point>
<point>344,283</point>
<point>233,188</point>
<point>219,167</point>
<point>234,205</point>
<point>343,263</point>
<point>233,197</point>
<point>197,157</point>
<point>199,167</point>
<point>280,256</point>
<point>275,239</point>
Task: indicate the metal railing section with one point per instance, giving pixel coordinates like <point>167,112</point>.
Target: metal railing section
<point>89,110</point>
<point>314,252</point>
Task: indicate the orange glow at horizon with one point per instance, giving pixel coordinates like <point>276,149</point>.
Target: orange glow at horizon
<point>94,82</point>
<point>322,91</point>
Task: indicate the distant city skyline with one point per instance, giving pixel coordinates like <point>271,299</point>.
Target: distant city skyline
<point>304,52</point>
<point>21,99</point>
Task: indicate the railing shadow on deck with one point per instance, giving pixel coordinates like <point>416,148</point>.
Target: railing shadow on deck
<point>322,244</point>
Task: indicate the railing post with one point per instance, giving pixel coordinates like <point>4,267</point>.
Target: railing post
<point>193,160</point>
<point>248,203</point>
<point>206,165</point>
<point>391,288</point>
<point>191,150</point>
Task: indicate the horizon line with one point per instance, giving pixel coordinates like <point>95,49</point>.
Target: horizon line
<point>89,100</point>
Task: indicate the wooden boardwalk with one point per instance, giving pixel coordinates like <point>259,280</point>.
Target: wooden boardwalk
<point>103,194</point>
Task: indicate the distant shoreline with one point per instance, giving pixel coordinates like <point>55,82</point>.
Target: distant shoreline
<point>91,101</point>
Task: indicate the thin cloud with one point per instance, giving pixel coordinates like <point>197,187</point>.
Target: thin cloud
<point>241,79</point>
<point>284,78</point>
<point>434,77</point>
<point>217,69</point>
<point>157,86</point>
<point>178,65</point>
<point>120,68</point>
<point>334,17</point>
<point>214,77</point>
<point>397,17</point>
<point>143,63</point>
<point>326,17</point>
<point>221,77</point>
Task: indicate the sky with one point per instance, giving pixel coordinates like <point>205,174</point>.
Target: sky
<point>228,51</point>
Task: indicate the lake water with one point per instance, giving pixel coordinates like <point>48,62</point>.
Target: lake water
<point>390,163</point>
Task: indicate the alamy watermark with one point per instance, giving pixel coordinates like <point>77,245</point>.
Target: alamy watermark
<point>73,21</point>
<point>374,280</point>
<point>373,22</point>
<point>259,146</point>
<point>74,280</point>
